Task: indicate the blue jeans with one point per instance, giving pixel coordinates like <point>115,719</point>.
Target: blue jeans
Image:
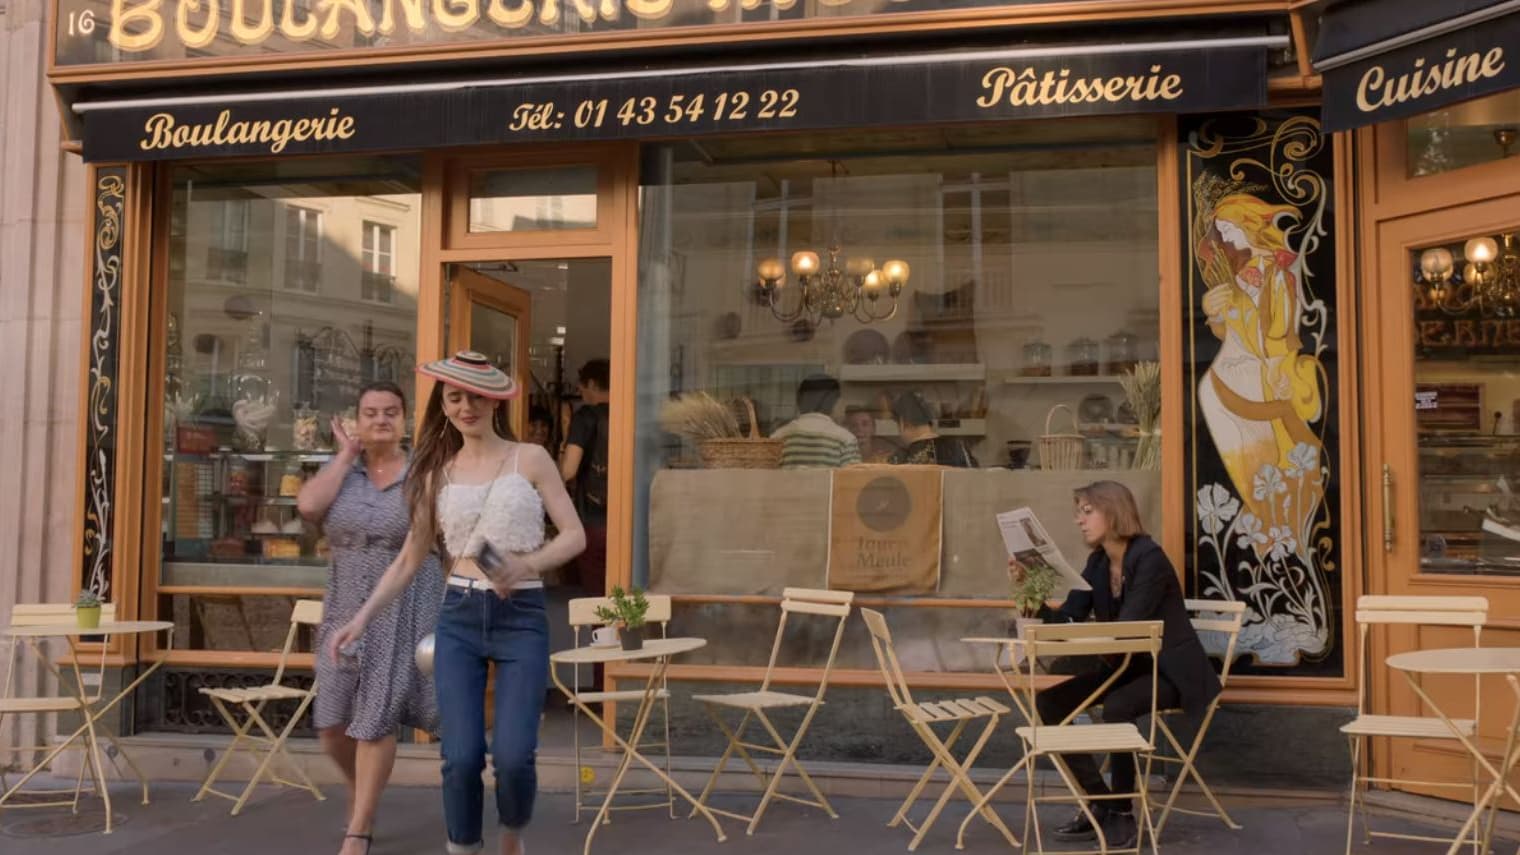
<point>475,628</point>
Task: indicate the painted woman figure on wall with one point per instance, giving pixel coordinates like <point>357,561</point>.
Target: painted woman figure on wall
<point>1261,393</point>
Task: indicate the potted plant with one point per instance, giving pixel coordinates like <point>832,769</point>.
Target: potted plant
<point>87,609</point>
<point>1033,583</point>
<point>626,610</point>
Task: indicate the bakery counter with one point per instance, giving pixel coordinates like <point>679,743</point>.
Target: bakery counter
<point>755,532</point>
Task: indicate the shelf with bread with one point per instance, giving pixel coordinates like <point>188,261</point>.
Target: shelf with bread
<point>943,427</point>
<point>1017,379</point>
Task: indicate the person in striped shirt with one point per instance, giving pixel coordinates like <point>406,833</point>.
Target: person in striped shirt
<point>814,440</point>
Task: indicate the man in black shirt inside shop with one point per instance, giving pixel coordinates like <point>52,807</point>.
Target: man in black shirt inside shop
<point>583,465</point>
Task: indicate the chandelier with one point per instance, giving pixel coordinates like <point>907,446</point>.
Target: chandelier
<point>859,289</point>
<point>1488,282</point>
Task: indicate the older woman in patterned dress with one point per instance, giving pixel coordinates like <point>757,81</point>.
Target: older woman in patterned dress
<point>362,699</point>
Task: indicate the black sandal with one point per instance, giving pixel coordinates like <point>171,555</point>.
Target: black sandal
<point>368,839</point>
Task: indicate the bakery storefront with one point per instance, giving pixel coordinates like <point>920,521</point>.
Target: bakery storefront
<point>1039,244</point>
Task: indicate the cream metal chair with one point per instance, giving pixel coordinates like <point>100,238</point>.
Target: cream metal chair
<point>1054,741</point>
<point>922,716</point>
<point>88,680</point>
<point>755,705</point>
<point>252,701</point>
<point>1383,610</point>
<point>1220,616</point>
<point>582,617</point>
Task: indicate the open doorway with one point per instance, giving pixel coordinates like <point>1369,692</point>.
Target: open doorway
<point>548,322</point>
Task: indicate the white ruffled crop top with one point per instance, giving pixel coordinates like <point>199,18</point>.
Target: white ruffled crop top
<point>509,510</point>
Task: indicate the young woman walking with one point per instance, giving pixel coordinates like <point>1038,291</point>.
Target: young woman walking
<point>483,495</point>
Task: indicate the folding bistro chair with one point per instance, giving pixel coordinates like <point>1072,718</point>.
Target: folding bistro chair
<point>795,601</point>
<point>922,716</point>
<point>1374,610</point>
<point>582,616</point>
<point>1054,741</point>
<point>88,682</point>
<point>252,702</point>
<point>1222,616</point>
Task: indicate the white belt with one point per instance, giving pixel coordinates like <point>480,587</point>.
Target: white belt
<point>470,584</point>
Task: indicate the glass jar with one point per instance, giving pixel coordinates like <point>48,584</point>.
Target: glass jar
<point>1082,357</point>
<point>1121,353</point>
<point>1038,357</point>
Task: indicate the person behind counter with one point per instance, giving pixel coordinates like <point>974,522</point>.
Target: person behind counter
<point>813,440</point>
<point>1131,580</point>
<point>922,444</point>
<point>359,501</point>
<point>861,422</point>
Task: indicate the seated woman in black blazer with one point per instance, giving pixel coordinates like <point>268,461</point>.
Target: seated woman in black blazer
<point>1131,580</point>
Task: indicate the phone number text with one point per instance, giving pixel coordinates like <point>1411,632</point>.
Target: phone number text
<point>648,110</point>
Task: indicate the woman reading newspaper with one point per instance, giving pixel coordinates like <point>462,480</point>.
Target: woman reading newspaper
<point>1131,580</point>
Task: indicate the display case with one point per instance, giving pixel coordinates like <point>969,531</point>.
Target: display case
<point>1470,504</point>
<point>231,520</point>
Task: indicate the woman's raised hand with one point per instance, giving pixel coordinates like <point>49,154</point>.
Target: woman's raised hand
<point>347,445</point>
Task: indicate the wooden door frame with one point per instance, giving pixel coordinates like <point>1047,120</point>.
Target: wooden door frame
<point>1400,214</point>
<point>511,301</point>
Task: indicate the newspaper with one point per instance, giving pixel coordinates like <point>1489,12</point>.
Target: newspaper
<point>1029,542</point>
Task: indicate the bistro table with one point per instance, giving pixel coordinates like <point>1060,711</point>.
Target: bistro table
<point>1470,661</point>
<point>1016,681</point>
<point>91,710</point>
<point>660,650</point>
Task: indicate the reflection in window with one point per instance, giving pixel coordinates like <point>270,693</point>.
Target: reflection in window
<point>1027,260</point>
<point>379,262</point>
<point>285,295</point>
<point>1466,134</point>
<point>519,200</point>
<point>303,248</point>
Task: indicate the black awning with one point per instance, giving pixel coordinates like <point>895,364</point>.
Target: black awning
<point>876,88</point>
<point>1391,59</point>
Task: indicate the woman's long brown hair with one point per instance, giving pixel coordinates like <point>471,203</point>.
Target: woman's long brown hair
<point>437,443</point>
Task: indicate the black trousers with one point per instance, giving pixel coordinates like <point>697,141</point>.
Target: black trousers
<point>1128,700</point>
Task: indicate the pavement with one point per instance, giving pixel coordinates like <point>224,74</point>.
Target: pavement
<point>410,821</point>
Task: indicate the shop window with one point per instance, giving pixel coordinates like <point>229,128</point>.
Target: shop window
<point>1466,302</point>
<point>254,375</point>
<point>934,303</point>
<point>522,200</point>
<point>303,248</point>
<point>1466,134</point>
<point>379,258</point>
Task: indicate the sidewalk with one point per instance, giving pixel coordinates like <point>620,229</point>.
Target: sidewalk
<point>411,822</point>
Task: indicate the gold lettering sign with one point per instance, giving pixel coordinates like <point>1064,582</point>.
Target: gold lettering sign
<point>1029,88</point>
<point>1377,89</point>
<point>138,26</point>
<point>163,132</point>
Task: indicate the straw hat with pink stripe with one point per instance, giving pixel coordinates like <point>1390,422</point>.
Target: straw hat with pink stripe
<point>472,372</point>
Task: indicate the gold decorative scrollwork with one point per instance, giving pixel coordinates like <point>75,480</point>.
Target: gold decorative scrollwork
<point>100,464</point>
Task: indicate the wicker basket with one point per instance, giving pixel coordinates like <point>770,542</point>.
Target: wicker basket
<point>752,452</point>
<point>1061,450</point>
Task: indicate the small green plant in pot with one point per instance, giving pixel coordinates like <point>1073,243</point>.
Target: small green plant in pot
<point>626,610</point>
<point>1032,586</point>
<point>87,609</point>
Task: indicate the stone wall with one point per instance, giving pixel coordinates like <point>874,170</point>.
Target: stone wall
<point>42,293</point>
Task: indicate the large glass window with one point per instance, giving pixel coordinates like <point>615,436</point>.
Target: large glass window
<point>930,326</point>
<point>290,286</point>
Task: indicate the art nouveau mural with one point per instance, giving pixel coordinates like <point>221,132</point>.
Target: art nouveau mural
<point>1261,372</point>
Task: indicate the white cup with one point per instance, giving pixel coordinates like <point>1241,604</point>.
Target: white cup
<point>604,636</point>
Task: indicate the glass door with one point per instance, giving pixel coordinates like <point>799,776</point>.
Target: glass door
<point>491,315</point>
<point>1443,381</point>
